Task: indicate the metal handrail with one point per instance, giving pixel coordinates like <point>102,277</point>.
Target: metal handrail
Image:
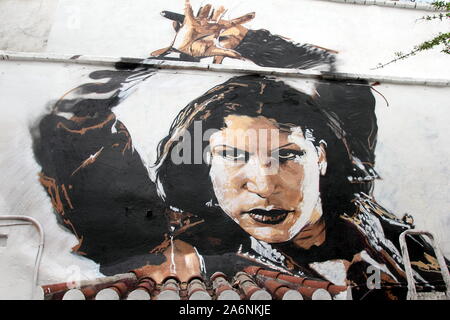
<point>37,225</point>
<point>412,292</point>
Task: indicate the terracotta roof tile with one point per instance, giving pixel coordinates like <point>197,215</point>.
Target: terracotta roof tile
<point>253,283</point>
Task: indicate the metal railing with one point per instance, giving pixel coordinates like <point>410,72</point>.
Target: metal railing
<point>412,292</point>
<point>33,222</point>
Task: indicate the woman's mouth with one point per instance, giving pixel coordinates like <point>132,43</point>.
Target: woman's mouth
<point>268,216</point>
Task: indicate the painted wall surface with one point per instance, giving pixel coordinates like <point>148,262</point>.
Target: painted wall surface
<point>90,151</point>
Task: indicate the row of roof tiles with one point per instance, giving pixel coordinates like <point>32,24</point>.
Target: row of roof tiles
<point>253,283</point>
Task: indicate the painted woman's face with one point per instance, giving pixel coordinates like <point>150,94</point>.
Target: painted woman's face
<point>266,179</point>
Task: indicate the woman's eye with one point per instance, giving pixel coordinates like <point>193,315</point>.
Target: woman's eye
<point>285,155</point>
<point>235,155</point>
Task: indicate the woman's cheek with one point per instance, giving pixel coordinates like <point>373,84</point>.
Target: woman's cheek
<point>224,178</point>
<point>291,174</point>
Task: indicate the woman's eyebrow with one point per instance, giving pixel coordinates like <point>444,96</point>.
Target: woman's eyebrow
<point>229,147</point>
<point>283,146</point>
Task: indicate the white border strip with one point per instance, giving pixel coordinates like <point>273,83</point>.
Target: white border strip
<point>392,4</point>
<point>182,65</point>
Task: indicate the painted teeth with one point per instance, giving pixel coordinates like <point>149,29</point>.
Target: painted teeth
<point>267,218</point>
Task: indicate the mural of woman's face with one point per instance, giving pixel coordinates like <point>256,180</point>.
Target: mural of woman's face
<point>266,179</point>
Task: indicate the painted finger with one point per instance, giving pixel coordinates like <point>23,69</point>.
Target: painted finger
<point>203,12</point>
<point>198,11</point>
<point>188,13</point>
<point>215,51</point>
<point>245,18</point>
<point>218,14</point>
<point>160,52</point>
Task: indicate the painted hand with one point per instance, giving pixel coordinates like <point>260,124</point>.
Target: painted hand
<point>207,34</point>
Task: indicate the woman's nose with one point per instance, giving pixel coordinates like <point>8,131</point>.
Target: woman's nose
<point>261,181</point>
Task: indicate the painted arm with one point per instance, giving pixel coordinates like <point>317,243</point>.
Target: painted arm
<point>207,34</point>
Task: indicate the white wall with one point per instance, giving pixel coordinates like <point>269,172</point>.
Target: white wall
<point>25,25</point>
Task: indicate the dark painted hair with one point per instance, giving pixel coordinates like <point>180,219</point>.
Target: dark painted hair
<point>341,114</point>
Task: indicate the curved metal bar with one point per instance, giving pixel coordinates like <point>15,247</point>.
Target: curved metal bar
<point>412,293</point>
<point>40,230</point>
